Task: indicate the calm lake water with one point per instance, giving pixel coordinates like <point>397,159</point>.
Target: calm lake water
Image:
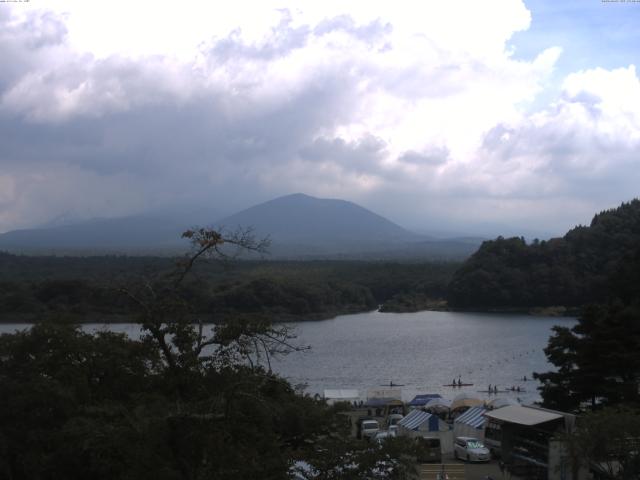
<point>422,351</point>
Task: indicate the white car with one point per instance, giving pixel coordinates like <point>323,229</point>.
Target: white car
<point>382,435</point>
<point>470,449</point>
<point>392,422</point>
<point>368,428</point>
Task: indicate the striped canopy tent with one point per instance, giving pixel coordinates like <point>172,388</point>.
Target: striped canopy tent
<point>470,423</point>
<point>419,421</point>
<point>501,402</point>
<point>465,400</point>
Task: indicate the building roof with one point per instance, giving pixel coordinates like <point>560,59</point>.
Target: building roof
<point>473,417</point>
<point>523,415</point>
<point>420,400</point>
<point>383,402</point>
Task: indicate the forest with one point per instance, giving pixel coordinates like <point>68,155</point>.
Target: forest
<point>89,288</point>
<point>183,402</point>
<point>80,405</point>
<point>505,273</point>
<point>571,271</point>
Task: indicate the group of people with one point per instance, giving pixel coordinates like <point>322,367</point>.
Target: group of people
<point>494,389</point>
<point>456,383</point>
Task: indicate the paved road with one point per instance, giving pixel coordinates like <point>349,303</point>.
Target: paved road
<point>459,470</point>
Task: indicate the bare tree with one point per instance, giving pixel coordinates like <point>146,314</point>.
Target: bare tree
<point>170,322</point>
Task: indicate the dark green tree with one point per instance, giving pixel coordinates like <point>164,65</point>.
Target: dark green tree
<point>184,401</point>
<point>598,360</point>
<point>608,442</point>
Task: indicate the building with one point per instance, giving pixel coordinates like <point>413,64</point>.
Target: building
<point>528,439</point>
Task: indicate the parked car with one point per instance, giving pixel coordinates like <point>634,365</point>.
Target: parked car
<point>367,428</point>
<point>428,449</point>
<point>382,435</point>
<point>470,449</point>
<point>392,422</point>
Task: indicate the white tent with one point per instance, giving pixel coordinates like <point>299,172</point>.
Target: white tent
<point>501,402</point>
<point>341,395</point>
<point>438,405</point>
<point>465,400</point>
<point>470,423</point>
<point>394,393</point>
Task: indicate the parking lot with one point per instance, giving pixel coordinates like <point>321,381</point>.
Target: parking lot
<point>454,469</point>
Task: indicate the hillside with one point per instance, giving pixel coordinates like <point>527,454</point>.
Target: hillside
<point>299,227</point>
<point>570,271</point>
<point>133,234</point>
<point>322,224</point>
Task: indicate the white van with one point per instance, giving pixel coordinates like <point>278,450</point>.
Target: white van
<point>367,428</point>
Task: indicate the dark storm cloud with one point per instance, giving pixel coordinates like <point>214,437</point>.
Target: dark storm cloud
<point>128,124</point>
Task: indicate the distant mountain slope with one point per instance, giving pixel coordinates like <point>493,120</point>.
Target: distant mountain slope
<point>299,226</point>
<point>571,271</point>
<point>302,225</point>
<point>126,234</point>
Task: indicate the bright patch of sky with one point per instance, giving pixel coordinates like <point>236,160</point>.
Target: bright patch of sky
<point>591,33</point>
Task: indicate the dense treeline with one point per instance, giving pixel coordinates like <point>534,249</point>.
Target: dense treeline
<point>184,401</point>
<point>598,360</point>
<point>597,374</point>
<point>570,271</point>
<point>90,288</point>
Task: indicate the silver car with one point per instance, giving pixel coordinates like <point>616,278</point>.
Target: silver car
<point>470,449</point>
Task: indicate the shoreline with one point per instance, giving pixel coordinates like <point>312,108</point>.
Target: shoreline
<point>436,306</point>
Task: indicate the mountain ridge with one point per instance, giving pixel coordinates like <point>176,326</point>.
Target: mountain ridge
<point>299,226</point>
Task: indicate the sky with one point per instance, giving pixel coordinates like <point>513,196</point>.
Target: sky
<point>492,117</point>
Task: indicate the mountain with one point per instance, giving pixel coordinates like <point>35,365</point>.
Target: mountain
<point>125,235</point>
<point>320,225</point>
<point>570,271</point>
<point>299,226</point>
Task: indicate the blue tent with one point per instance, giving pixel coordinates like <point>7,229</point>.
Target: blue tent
<point>421,400</point>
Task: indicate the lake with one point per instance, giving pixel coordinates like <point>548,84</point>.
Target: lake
<point>422,351</point>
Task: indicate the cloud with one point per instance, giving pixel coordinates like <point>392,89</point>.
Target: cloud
<point>376,103</point>
<point>433,156</point>
<point>582,147</point>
